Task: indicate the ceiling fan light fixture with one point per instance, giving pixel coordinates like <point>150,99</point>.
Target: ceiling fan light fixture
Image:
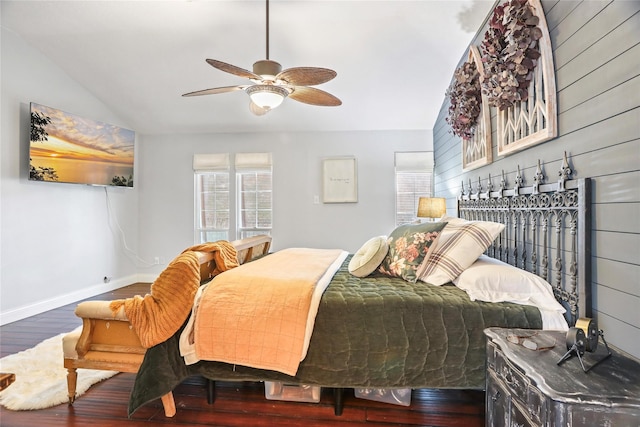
<point>267,96</point>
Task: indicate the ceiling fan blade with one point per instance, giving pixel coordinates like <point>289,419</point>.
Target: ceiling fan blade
<point>257,110</point>
<point>306,76</point>
<point>232,69</point>
<point>216,90</point>
<point>313,96</point>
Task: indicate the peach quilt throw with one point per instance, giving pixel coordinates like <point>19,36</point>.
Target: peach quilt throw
<point>261,314</point>
<point>159,314</point>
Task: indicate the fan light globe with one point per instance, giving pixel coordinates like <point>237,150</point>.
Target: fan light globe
<point>267,96</point>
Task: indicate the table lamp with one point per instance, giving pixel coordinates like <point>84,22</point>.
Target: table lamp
<point>431,207</point>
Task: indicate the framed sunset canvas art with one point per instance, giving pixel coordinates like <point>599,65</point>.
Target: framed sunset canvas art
<point>68,148</point>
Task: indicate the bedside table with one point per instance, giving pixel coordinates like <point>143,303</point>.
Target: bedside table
<point>527,387</point>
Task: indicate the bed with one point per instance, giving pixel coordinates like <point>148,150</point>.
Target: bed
<point>380,331</point>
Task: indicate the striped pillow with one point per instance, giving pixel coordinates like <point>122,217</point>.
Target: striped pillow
<point>460,244</point>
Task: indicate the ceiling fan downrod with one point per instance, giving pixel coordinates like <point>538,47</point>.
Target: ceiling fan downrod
<point>267,68</point>
<point>267,30</point>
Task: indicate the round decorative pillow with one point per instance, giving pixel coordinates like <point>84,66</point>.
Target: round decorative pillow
<point>367,259</point>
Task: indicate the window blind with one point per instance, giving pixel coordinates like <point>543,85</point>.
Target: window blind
<point>211,162</point>
<point>252,161</point>
<point>415,161</point>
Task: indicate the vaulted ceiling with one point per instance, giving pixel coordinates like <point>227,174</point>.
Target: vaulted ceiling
<point>394,59</point>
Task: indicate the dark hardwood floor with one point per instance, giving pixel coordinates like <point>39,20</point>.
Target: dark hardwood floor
<point>237,403</point>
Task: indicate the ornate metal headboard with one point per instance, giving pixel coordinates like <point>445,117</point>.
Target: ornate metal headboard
<point>547,230</point>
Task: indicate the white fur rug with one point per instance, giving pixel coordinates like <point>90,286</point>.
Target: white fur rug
<point>41,379</point>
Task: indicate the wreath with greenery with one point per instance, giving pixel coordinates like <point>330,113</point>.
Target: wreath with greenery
<point>510,53</point>
<point>465,98</point>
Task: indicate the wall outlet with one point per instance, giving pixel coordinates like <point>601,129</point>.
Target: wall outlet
<point>156,260</point>
<point>106,279</point>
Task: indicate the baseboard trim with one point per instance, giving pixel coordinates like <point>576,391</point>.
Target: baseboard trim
<point>38,307</point>
<point>147,278</point>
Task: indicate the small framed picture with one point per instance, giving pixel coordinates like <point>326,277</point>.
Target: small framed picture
<point>339,180</point>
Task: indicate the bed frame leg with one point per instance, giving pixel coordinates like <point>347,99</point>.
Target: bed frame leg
<point>338,401</point>
<point>211,391</point>
<point>169,405</point>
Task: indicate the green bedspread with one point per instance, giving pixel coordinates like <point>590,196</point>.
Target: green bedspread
<point>373,332</point>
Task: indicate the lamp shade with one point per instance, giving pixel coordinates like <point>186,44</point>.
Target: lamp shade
<point>267,96</point>
<point>431,207</point>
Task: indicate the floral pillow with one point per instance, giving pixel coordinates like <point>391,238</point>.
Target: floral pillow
<point>409,246</point>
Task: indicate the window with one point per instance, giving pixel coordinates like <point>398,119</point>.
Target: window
<point>414,179</point>
<point>254,199</point>
<point>212,197</point>
<point>228,209</point>
<point>254,194</point>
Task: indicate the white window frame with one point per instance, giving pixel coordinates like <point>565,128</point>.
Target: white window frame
<point>416,165</point>
<point>207,166</point>
<point>211,166</point>
<point>254,164</point>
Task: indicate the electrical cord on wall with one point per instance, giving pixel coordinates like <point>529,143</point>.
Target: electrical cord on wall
<point>130,253</point>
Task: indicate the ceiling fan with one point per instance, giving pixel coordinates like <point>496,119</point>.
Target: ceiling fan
<point>272,84</point>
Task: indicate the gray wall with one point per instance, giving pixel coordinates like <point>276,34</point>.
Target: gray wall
<point>596,48</point>
<point>167,193</point>
<point>58,242</point>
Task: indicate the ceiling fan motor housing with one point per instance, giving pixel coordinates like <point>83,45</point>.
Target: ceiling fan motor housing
<point>267,68</point>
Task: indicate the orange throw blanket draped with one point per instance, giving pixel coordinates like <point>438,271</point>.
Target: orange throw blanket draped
<point>256,315</point>
<point>157,316</point>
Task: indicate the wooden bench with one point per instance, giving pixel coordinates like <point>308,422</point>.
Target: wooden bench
<point>107,341</point>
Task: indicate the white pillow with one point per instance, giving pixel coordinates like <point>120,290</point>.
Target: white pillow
<point>369,256</point>
<point>492,280</point>
<point>460,244</point>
